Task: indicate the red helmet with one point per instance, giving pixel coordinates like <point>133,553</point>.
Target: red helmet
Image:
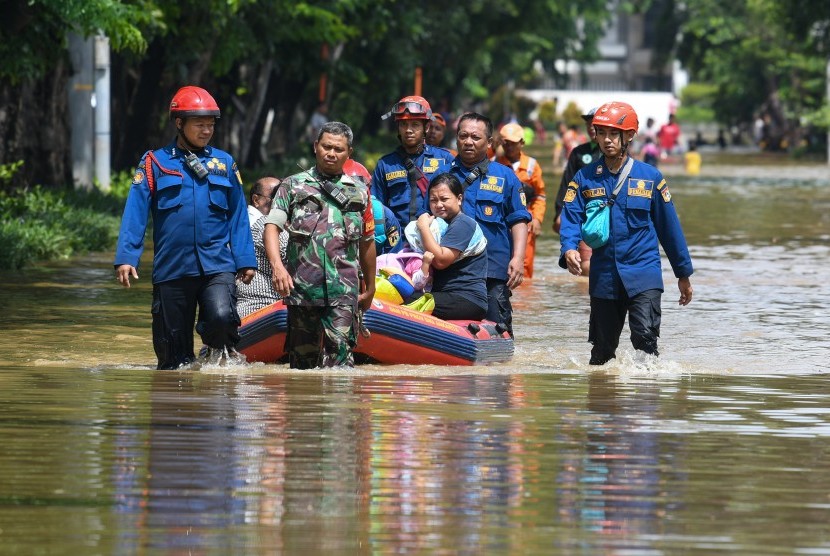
<point>193,101</point>
<point>412,108</point>
<point>354,168</point>
<point>618,115</point>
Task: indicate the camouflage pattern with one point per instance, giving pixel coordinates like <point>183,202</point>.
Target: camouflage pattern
<point>323,247</point>
<point>321,336</point>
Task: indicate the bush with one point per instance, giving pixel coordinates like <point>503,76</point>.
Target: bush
<point>696,103</point>
<point>43,224</point>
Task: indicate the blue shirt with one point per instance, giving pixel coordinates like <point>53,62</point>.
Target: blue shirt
<point>497,202</point>
<point>390,183</point>
<point>466,277</point>
<point>200,226</point>
<point>642,215</point>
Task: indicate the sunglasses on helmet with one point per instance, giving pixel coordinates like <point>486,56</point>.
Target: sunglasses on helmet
<point>411,107</point>
<point>414,108</point>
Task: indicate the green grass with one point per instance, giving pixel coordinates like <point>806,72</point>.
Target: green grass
<point>48,224</point>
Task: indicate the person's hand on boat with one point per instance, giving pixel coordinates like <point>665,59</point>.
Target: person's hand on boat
<point>283,283</point>
<point>124,272</point>
<point>574,262</point>
<point>245,275</point>
<point>515,272</point>
<point>685,287</point>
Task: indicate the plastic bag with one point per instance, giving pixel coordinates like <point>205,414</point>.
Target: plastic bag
<point>596,229</point>
<point>424,304</point>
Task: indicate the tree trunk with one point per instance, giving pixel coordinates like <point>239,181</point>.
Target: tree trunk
<point>34,127</point>
<point>252,126</point>
<point>140,106</point>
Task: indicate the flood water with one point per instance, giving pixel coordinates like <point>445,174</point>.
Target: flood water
<point>720,446</point>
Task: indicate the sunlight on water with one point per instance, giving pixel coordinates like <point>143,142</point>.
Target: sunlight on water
<point>718,445</point>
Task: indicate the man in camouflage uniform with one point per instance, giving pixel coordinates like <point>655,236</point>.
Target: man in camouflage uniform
<point>330,224</point>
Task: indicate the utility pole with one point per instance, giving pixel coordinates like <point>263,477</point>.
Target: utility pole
<point>102,112</point>
<point>89,111</point>
<point>80,110</point>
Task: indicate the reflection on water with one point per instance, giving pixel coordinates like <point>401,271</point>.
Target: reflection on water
<point>720,445</point>
<point>500,464</point>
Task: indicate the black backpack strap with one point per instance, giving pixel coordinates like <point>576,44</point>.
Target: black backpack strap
<point>478,171</point>
<point>417,182</point>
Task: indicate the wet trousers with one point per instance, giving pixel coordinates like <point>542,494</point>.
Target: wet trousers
<point>174,311</point>
<point>607,320</point>
<point>499,308</point>
<point>321,336</point>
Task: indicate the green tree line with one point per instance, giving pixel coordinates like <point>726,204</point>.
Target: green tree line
<point>262,57</point>
<point>265,60</point>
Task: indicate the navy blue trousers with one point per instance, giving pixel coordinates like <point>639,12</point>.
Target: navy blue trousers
<point>499,308</point>
<point>608,318</point>
<point>174,311</point>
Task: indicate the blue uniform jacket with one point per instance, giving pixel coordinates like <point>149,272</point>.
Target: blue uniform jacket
<point>387,230</point>
<point>497,202</point>
<point>390,184</point>
<point>642,215</point>
<point>200,226</point>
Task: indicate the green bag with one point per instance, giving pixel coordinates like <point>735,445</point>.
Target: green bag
<point>424,304</point>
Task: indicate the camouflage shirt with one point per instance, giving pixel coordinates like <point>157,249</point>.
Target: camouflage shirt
<point>323,246</point>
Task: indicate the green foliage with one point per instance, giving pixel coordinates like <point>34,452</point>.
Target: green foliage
<point>7,171</point>
<point>762,55</point>
<point>696,103</point>
<point>572,115</point>
<point>34,33</point>
<point>120,184</point>
<point>547,113</point>
<point>47,224</point>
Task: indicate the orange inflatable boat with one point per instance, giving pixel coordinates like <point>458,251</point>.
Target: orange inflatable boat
<point>398,336</point>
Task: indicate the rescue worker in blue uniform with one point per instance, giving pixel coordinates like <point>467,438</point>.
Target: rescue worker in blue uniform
<point>625,275</point>
<point>201,234</point>
<point>494,196</point>
<point>401,178</point>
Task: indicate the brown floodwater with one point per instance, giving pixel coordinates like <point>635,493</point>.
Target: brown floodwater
<point>719,446</point>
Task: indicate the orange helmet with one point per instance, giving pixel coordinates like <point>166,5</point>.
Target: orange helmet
<point>354,168</point>
<point>618,115</point>
<point>193,101</point>
<point>412,108</point>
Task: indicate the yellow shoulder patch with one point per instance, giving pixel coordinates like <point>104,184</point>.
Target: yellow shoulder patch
<point>236,171</point>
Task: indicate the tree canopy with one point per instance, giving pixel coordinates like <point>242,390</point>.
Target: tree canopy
<point>268,62</point>
<point>765,57</point>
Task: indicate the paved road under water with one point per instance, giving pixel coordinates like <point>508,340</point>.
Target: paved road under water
<point>719,446</point>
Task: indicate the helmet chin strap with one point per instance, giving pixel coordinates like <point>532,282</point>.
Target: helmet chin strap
<point>623,150</point>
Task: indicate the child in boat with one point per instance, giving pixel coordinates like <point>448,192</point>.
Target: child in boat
<point>421,278</point>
